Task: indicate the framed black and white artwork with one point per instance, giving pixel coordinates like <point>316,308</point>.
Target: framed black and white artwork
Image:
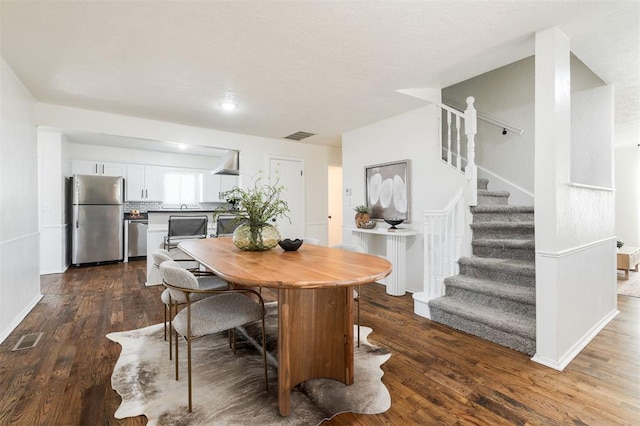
<point>387,190</point>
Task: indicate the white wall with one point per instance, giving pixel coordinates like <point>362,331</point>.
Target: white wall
<point>414,136</point>
<point>575,235</point>
<point>19,239</point>
<point>254,151</point>
<point>627,171</point>
<point>508,94</point>
<point>53,167</point>
<point>591,133</point>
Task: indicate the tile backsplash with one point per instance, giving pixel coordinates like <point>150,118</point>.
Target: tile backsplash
<point>145,206</point>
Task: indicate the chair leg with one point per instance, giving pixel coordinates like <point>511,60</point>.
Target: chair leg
<point>165,324</point>
<point>359,296</point>
<point>171,328</point>
<point>233,334</point>
<point>176,333</point>
<point>264,355</point>
<point>188,369</point>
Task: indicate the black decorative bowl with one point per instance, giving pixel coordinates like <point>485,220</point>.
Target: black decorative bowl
<point>290,245</point>
<point>394,222</point>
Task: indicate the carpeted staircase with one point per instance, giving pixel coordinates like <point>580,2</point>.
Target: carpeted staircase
<point>493,296</point>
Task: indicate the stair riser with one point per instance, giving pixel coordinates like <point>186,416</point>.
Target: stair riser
<point>482,183</point>
<point>502,217</point>
<point>497,275</point>
<point>519,343</point>
<point>505,253</point>
<point>483,299</point>
<point>500,233</point>
<point>493,200</point>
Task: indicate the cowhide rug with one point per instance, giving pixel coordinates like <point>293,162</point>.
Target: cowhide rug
<point>229,389</point>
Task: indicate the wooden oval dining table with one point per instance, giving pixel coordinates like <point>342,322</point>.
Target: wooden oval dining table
<point>315,302</point>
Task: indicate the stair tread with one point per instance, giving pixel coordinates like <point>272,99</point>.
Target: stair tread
<point>524,268</point>
<point>497,208</point>
<point>508,291</point>
<point>489,193</point>
<point>509,322</point>
<point>504,243</point>
<point>503,224</point>
<point>525,265</point>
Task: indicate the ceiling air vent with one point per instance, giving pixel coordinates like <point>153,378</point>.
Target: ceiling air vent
<point>299,136</point>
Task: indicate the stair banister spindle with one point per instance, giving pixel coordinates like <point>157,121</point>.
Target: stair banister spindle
<point>471,171</point>
<point>449,161</point>
<point>459,160</point>
<point>432,260</point>
<point>440,251</point>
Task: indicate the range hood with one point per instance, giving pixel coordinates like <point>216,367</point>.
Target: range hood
<point>229,165</point>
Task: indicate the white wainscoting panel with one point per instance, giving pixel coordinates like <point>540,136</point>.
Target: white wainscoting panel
<point>575,298</point>
<point>19,281</point>
<point>53,249</point>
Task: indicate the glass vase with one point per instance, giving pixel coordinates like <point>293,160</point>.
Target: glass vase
<point>256,236</point>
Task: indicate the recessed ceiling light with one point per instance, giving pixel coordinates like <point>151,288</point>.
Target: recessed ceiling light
<point>182,146</point>
<point>228,106</point>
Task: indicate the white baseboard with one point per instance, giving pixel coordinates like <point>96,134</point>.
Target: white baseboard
<point>421,305</point>
<point>18,319</point>
<point>565,359</point>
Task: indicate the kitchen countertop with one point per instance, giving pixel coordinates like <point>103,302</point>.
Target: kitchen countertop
<point>181,211</point>
<point>141,216</point>
<point>177,211</point>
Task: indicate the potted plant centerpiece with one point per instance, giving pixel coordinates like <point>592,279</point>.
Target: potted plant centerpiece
<point>255,207</point>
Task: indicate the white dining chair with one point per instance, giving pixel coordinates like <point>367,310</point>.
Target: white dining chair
<point>218,310</point>
<point>212,282</point>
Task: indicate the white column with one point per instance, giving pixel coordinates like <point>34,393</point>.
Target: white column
<point>395,252</point>
<point>552,159</point>
<point>397,255</point>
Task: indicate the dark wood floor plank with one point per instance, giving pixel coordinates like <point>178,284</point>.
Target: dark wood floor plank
<point>436,375</point>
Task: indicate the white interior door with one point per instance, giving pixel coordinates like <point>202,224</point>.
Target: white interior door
<point>334,204</point>
<point>290,172</point>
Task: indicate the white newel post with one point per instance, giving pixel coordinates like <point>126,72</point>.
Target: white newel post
<point>471,171</point>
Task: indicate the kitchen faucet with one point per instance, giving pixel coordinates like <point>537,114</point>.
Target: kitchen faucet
<point>183,205</point>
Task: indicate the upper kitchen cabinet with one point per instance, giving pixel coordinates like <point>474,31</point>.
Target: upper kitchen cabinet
<point>144,183</point>
<point>85,167</point>
<point>215,185</point>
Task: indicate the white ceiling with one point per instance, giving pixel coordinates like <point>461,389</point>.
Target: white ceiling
<point>323,67</point>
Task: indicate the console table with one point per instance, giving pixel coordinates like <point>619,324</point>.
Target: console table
<point>628,258</point>
<point>396,252</point>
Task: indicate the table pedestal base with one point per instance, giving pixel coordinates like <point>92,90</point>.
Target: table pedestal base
<point>315,338</point>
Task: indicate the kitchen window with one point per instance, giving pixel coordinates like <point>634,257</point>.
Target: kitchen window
<point>182,188</point>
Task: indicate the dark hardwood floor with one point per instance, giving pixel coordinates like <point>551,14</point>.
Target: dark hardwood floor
<point>435,375</point>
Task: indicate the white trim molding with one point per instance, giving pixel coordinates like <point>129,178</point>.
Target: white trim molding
<point>18,319</point>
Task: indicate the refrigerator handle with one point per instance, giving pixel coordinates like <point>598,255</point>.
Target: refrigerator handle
<point>77,223</point>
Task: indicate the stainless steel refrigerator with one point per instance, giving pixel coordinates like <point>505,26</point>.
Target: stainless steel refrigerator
<point>98,217</point>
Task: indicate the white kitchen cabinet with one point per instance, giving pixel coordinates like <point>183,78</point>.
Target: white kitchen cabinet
<point>97,168</point>
<point>215,185</point>
<point>154,182</point>
<point>144,183</point>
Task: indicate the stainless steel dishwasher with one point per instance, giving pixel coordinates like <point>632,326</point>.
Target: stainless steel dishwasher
<point>137,237</point>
